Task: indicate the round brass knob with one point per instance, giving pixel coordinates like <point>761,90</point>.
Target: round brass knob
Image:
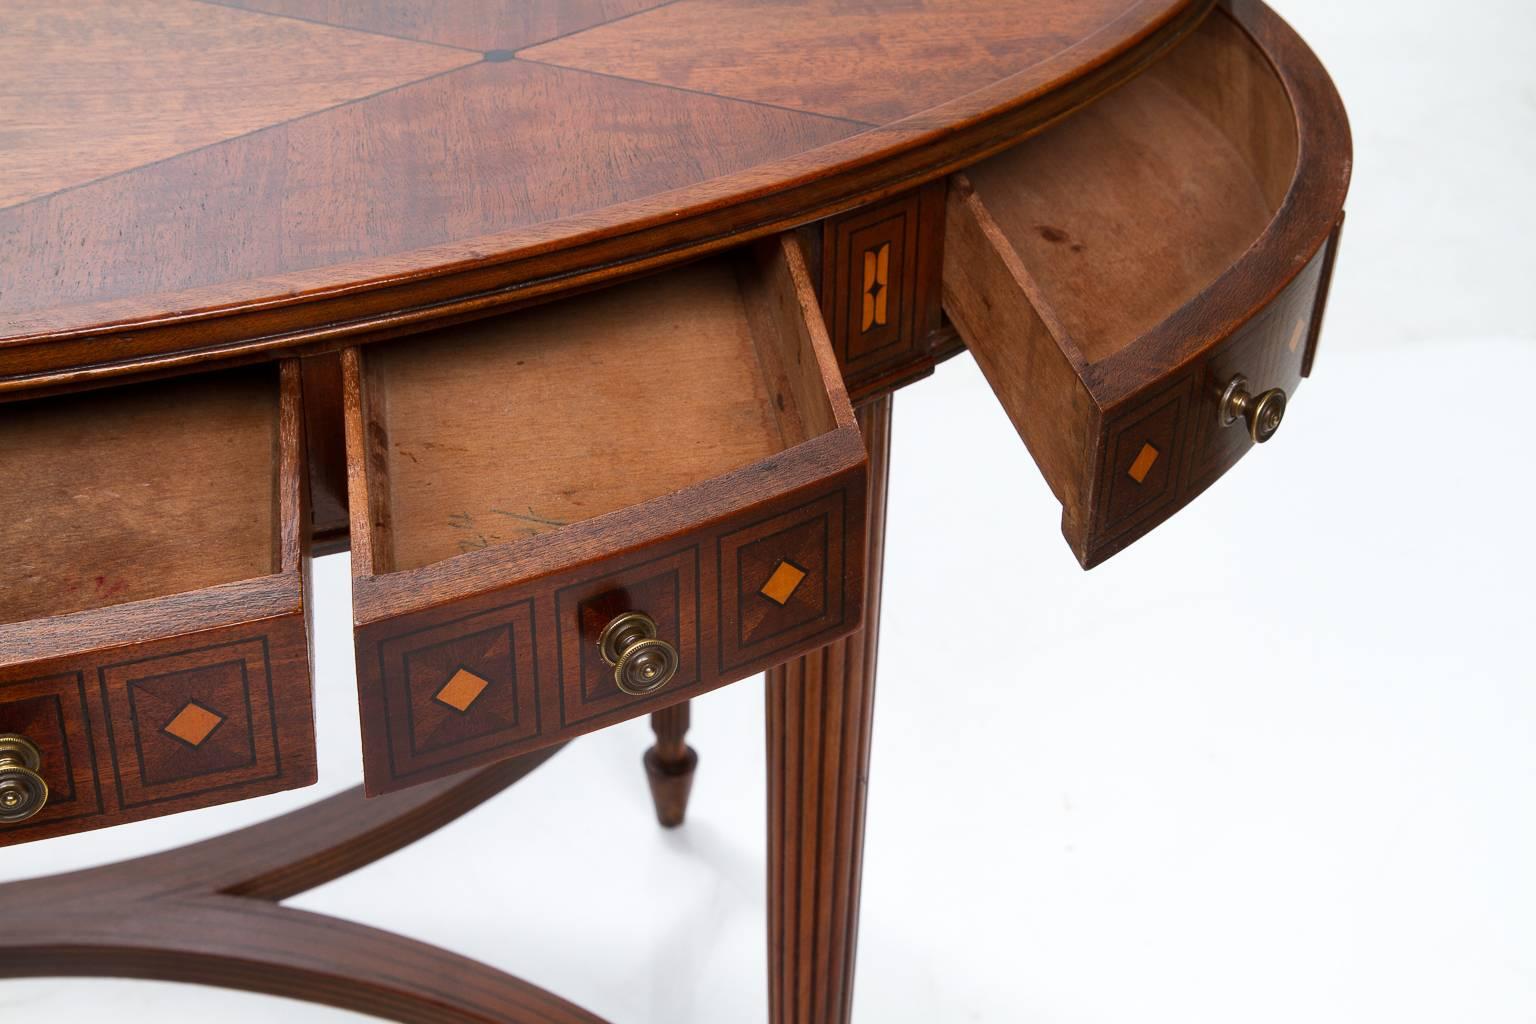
<point>1262,412</point>
<point>22,791</point>
<point>641,662</point>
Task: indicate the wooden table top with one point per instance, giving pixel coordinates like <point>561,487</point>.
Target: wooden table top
<point>183,180</point>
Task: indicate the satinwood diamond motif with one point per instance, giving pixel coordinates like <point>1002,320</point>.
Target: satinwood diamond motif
<point>468,686</point>
<point>193,724</point>
<point>203,714</point>
<point>781,585</point>
<point>462,690</point>
<point>782,576</point>
<point>1143,464</point>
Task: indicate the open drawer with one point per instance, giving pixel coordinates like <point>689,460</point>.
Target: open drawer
<point>1143,282</point>
<point>583,512</point>
<point>154,652</point>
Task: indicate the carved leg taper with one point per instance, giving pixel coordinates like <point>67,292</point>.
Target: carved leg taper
<point>819,711</point>
<point>670,763</point>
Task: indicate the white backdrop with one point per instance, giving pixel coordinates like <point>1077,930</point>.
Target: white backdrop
<point>1276,762</point>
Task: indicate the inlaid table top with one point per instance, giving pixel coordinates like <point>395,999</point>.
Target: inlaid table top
<point>183,179</point>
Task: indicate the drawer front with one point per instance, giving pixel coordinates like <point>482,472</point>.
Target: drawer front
<point>51,713</point>
<point>675,456</point>
<point>1153,268</point>
<point>175,698</point>
<point>1166,447</point>
<point>155,728</point>
<point>668,589</point>
<point>1270,351</point>
<point>487,678</point>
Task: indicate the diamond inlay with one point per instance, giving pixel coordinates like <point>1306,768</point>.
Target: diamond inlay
<point>462,690</point>
<point>782,584</point>
<point>193,724</point>
<point>1143,464</point>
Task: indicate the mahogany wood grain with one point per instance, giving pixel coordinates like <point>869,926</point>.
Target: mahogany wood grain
<point>493,147</point>
<point>1114,273</point>
<point>1129,210</point>
<point>798,56</point>
<point>515,427</point>
<point>138,493</point>
<point>667,442</point>
<point>94,90</point>
<point>1038,381</point>
<point>482,25</point>
<point>819,713</point>
<point>662,447</point>
<point>351,224</point>
<point>670,764</point>
<point>176,674</point>
<point>208,914</point>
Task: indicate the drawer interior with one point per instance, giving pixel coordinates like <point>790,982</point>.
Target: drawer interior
<point>1127,210</point>
<point>512,427</point>
<point>139,492</point>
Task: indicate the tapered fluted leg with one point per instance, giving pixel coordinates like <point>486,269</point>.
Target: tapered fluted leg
<point>819,710</point>
<point>669,765</point>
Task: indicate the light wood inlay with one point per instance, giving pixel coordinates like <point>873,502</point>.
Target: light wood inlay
<point>877,286</point>
<point>91,89</point>
<point>1143,464</point>
<point>782,584</point>
<point>462,690</point>
<point>854,60</point>
<point>194,724</point>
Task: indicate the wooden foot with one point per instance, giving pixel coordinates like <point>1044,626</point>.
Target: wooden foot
<point>669,765</point>
<point>208,914</point>
<point>819,711</point>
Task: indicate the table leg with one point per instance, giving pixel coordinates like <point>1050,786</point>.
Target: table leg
<point>670,763</point>
<point>819,711</point>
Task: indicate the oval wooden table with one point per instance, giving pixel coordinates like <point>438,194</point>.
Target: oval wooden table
<point>578,321</point>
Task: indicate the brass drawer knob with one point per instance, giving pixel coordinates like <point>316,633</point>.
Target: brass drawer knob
<point>22,791</point>
<point>641,662</point>
<point>1262,412</point>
